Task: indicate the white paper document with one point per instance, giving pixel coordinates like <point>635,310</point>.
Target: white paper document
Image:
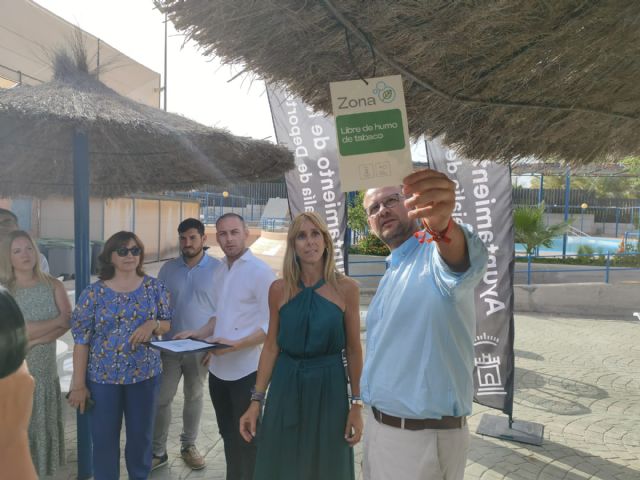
<point>185,345</point>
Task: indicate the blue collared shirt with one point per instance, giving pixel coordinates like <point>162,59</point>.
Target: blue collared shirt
<point>191,292</point>
<point>420,330</point>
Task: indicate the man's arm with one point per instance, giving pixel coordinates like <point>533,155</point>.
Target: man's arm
<point>255,338</point>
<point>432,201</point>
<point>202,333</point>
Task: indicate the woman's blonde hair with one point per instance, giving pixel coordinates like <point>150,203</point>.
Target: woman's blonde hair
<point>291,267</point>
<point>7,274</point>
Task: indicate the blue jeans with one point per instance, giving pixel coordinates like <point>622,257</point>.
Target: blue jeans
<point>136,401</point>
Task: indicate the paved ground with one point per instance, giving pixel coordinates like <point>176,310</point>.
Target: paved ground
<point>580,378</point>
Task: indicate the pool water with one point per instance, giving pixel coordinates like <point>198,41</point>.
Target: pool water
<point>599,245</point>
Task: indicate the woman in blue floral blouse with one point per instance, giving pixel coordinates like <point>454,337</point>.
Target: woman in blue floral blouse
<point>113,368</point>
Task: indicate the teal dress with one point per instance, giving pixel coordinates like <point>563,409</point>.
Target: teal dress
<point>46,430</point>
<point>302,432</point>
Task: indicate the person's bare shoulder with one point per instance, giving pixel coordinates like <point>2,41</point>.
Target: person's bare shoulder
<point>349,286</point>
<point>276,293</point>
<point>277,288</point>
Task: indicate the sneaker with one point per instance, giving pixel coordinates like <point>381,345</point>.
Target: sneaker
<point>192,457</point>
<point>159,461</point>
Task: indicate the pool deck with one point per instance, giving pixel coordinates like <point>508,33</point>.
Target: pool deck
<point>578,377</point>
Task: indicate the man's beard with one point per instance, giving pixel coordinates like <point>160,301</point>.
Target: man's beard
<point>396,236</point>
<point>188,254</point>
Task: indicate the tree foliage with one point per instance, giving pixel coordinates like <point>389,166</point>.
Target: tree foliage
<point>603,187</point>
<point>356,216</point>
<point>530,229</point>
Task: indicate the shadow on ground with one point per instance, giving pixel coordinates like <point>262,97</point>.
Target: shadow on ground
<point>550,461</point>
<point>555,394</point>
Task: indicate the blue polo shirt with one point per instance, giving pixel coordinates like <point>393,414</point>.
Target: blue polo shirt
<point>191,292</point>
<point>420,331</point>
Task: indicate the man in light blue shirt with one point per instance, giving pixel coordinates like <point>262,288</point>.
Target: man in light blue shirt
<point>189,279</point>
<point>420,327</point>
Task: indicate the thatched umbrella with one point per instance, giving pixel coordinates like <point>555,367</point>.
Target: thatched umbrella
<point>499,80</point>
<point>132,147</point>
<point>76,136</point>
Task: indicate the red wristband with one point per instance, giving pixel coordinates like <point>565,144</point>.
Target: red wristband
<point>435,236</point>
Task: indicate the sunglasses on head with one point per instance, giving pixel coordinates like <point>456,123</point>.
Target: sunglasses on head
<point>124,251</point>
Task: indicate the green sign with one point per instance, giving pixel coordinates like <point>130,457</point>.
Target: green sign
<point>369,132</point>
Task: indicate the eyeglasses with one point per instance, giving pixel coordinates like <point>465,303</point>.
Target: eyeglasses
<point>389,202</point>
<point>124,251</point>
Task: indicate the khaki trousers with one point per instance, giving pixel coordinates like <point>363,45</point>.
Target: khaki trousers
<point>394,454</point>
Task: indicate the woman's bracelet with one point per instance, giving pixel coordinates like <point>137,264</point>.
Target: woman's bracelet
<point>257,396</point>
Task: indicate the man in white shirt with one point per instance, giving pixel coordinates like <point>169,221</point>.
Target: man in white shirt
<point>189,279</point>
<point>242,318</point>
<point>8,224</point>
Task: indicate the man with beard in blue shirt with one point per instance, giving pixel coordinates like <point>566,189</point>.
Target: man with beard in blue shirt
<point>417,375</point>
<point>189,279</point>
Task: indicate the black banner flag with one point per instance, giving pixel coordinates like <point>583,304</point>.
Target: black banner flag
<point>483,200</point>
<point>314,184</point>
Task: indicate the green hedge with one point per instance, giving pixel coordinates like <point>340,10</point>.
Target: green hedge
<point>370,245</point>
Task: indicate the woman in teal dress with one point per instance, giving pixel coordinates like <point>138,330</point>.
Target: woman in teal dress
<point>309,425</point>
<point>46,310</point>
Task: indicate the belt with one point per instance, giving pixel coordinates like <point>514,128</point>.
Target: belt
<point>444,423</point>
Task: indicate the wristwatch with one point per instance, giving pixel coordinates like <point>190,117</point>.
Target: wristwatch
<point>157,327</point>
<point>357,401</point>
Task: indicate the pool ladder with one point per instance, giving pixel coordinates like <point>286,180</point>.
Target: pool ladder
<point>576,232</point>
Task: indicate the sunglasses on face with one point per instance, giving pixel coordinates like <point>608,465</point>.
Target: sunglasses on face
<point>124,251</point>
<point>389,202</point>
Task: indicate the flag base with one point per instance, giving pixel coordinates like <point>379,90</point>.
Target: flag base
<point>520,431</point>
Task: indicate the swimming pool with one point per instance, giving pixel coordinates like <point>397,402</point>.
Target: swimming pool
<point>599,245</point>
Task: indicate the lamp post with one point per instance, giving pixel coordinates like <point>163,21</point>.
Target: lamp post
<point>584,206</point>
<point>225,195</point>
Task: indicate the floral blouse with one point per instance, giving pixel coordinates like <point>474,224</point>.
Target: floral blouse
<point>105,319</point>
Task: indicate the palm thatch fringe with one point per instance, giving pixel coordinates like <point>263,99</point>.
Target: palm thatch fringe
<point>498,80</point>
<point>133,148</point>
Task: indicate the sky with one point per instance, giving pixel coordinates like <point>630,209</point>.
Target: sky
<point>197,86</point>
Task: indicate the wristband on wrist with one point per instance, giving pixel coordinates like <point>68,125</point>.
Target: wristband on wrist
<point>257,396</point>
<point>435,236</point>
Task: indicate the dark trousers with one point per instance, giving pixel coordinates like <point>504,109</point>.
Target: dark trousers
<point>136,402</point>
<point>230,400</point>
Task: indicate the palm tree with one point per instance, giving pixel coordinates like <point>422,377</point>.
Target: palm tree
<point>530,228</point>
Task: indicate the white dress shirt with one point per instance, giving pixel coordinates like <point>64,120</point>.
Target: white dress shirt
<point>241,297</point>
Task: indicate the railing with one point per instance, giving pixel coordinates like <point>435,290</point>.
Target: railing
<point>576,232</point>
<point>367,275</point>
<point>628,241</point>
<point>606,269</point>
<point>274,224</point>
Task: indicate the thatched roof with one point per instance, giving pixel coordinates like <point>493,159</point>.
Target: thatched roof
<point>500,80</point>
<point>132,147</point>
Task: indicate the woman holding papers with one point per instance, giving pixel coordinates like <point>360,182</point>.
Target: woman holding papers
<point>309,425</point>
<point>46,310</point>
<point>113,367</point>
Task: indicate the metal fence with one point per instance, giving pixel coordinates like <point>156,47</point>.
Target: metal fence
<point>576,269</point>
<point>562,273</point>
<point>245,200</point>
